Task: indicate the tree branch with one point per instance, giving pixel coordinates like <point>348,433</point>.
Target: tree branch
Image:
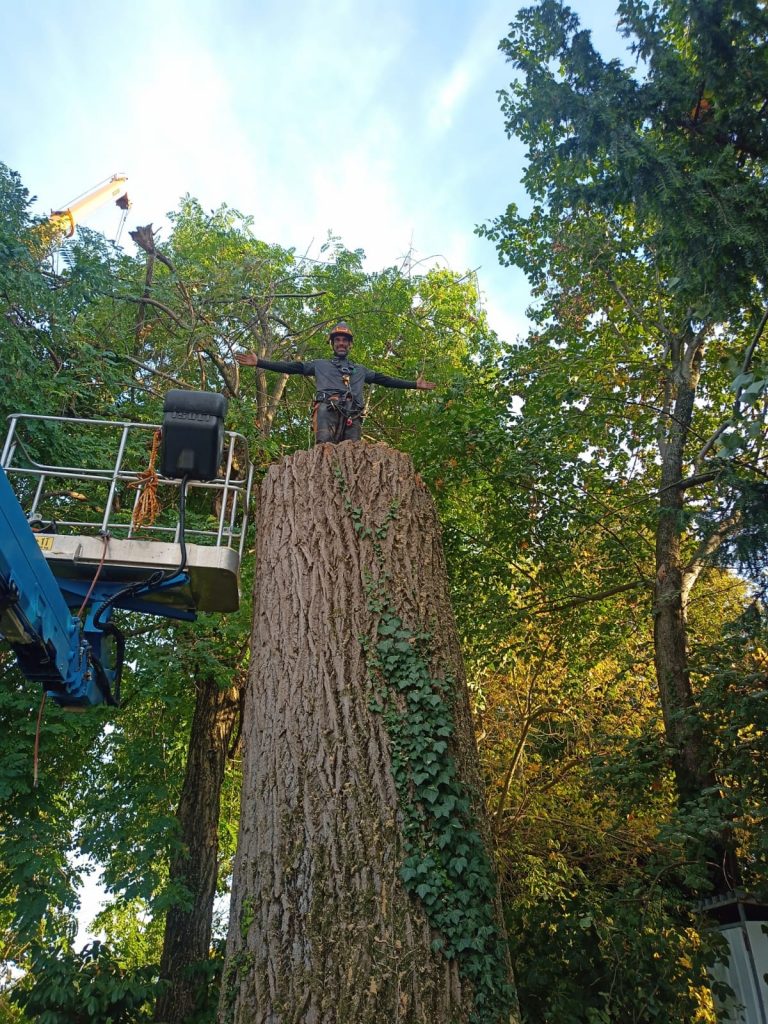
<point>692,570</point>
<point>745,365</point>
<point>530,718</point>
<point>149,274</point>
<point>580,599</point>
<point>692,350</point>
<point>149,369</point>
<point>222,367</point>
<point>158,305</point>
<point>690,481</point>
<point>145,238</point>
<point>637,313</point>
<point>747,361</point>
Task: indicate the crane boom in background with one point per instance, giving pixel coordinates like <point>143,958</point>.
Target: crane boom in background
<point>62,223</point>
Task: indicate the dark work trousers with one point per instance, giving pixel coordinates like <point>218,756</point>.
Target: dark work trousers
<point>331,425</point>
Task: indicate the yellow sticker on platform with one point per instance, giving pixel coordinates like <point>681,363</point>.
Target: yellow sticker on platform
<point>44,543</point>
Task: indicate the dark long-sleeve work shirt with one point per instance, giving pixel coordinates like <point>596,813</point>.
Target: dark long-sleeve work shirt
<point>330,376</point>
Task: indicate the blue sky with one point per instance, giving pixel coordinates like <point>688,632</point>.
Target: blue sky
<point>375,120</point>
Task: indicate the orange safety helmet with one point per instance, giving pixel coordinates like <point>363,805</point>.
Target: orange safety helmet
<point>341,328</point>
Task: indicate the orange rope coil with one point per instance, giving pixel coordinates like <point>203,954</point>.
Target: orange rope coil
<point>148,507</point>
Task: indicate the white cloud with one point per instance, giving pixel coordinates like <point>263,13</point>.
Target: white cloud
<point>451,92</point>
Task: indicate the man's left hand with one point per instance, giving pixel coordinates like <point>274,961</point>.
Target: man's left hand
<point>247,358</point>
<point>424,385</point>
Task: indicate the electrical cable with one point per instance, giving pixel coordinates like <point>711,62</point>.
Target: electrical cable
<point>94,581</point>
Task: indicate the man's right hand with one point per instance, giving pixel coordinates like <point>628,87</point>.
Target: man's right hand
<point>247,358</point>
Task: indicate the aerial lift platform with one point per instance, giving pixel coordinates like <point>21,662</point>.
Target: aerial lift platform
<point>82,537</point>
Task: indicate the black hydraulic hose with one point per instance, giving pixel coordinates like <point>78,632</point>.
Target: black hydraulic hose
<point>132,590</point>
<point>156,578</point>
<point>182,525</point>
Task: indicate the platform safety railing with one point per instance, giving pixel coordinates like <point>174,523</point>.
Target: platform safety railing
<point>119,456</point>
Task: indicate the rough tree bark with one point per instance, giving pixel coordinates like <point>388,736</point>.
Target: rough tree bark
<point>187,937</point>
<point>323,928</point>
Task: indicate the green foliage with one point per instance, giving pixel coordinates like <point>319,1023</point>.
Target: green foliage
<point>49,366</point>
<point>37,881</point>
<point>600,870</point>
<point>90,987</point>
<point>732,671</point>
<point>587,954</point>
<point>134,781</point>
<point>676,144</point>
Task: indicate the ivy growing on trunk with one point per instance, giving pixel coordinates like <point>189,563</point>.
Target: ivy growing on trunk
<point>446,865</point>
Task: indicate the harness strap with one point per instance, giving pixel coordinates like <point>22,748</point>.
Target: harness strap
<point>345,407</point>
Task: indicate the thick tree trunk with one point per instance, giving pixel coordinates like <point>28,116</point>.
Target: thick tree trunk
<point>691,757</point>
<point>362,891</point>
<point>690,761</point>
<point>187,939</point>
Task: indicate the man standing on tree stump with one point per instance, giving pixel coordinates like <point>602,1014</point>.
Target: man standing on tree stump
<point>339,404</point>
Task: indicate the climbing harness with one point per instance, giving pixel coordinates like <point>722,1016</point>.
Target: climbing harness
<point>344,407</point>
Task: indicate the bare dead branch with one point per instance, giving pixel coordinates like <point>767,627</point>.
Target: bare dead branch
<point>692,570</point>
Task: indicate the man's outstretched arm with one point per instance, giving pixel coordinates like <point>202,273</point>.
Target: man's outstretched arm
<point>294,366</point>
<point>397,382</point>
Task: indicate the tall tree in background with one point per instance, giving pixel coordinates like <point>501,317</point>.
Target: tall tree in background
<point>647,245</point>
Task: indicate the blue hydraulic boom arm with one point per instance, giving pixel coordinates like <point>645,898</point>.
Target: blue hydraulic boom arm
<point>34,617</point>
